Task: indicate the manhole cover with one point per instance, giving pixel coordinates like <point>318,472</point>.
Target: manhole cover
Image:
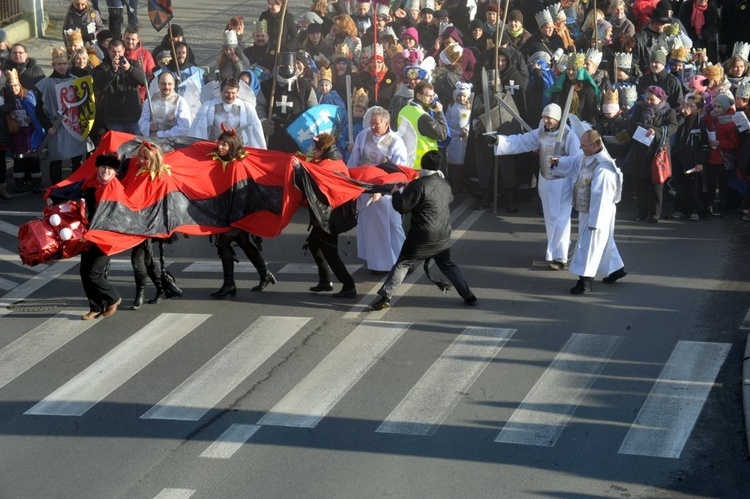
<point>37,305</point>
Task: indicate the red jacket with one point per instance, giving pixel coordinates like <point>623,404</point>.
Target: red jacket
<point>145,58</point>
<point>726,134</point>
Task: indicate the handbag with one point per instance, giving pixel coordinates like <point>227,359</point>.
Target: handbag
<point>13,125</point>
<point>661,166</point>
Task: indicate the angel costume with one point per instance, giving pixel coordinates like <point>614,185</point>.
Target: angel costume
<point>239,115</point>
<point>171,114</point>
<point>379,231</point>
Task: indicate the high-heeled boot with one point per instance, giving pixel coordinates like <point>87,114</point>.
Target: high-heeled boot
<point>140,294</point>
<point>265,279</point>
<point>156,279</point>
<point>228,288</point>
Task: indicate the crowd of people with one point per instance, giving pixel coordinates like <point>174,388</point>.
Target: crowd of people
<point>416,77</point>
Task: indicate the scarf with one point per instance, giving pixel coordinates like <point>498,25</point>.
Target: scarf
<point>650,114</point>
<point>698,17</point>
<point>427,173</point>
<point>515,33</point>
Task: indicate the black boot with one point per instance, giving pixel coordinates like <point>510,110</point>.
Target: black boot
<point>140,293</point>
<point>583,286</point>
<point>228,288</point>
<point>265,279</point>
<point>510,201</point>
<point>159,296</point>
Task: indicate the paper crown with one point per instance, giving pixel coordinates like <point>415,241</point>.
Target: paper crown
<point>628,93</point>
<point>360,98</point>
<point>260,27</point>
<point>741,49</point>
<point>230,38</point>
<point>411,5</point>
<point>543,17</point>
<point>325,74</point>
<point>743,90</point>
<point>384,10</point>
<point>59,55</point>
<point>576,61</point>
<point>73,36</point>
<point>429,4</point>
<point>611,97</point>
<point>372,51</point>
<point>680,54</point>
<point>623,60</point>
<point>556,11</point>
<point>672,29</point>
<point>594,56</point>
<point>415,73</point>
<point>562,64</point>
<point>12,76</point>
<point>714,72</point>
<point>451,54</point>
<point>679,40</point>
<point>342,52</point>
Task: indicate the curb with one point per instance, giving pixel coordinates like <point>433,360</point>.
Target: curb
<point>746,390</point>
<point>18,31</point>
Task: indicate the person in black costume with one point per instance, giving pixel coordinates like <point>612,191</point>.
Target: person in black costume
<point>228,149</point>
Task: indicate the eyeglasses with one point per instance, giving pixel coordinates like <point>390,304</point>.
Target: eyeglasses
<point>17,53</point>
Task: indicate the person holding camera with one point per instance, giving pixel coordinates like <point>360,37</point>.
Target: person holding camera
<point>424,114</point>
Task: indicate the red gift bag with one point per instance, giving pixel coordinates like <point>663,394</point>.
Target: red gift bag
<point>58,235</point>
<point>661,165</point>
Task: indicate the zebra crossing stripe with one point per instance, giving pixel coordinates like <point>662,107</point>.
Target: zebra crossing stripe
<point>313,397</point>
<point>36,345</point>
<point>430,401</point>
<point>230,441</point>
<point>206,387</point>
<point>7,284</point>
<point>175,494</point>
<point>668,416</point>
<point>13,258</point>
<point>116,367</point>
<point>46,276</point>
<point>549,405</point>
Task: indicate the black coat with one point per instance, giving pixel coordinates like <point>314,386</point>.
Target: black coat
<point>428,199</point>
<point>640,156</point>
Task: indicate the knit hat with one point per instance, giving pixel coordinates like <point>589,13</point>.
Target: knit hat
<point>412,32</point>
<point>462,88</point>
<point>104,34</point>
<point>657,92</point>
<point>177,30</point>
<point>431,160</point>
<point>553,111</point>
<point>724,101</point>
<point>659,56</point>
<point>515,15</point>
<point>451,54</point>
<point>314,28</point>
<point>476,24</point>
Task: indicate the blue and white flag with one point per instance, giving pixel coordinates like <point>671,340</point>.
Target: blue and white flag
<point>323,118</point>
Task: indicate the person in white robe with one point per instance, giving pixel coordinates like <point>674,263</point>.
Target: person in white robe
<point>171,114</point>
<point>379,231</point>
<point>596,192</point>
<point>233,113</point>
<point>555,192</point>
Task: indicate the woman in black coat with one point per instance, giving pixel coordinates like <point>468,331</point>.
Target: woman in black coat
<point>702,30</point>
<point>652,115</point>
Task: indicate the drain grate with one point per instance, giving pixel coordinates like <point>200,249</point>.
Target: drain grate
<point>38,305</point>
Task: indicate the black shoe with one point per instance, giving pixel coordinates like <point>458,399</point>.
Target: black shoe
<point>471,301</point>
<point>653,220</point>
<point>159,296</point>
<point>268,278</point>
<point>380,304</point>
<point>224,290</point>
<point>323,286</point>
<point>583,286</point>
<point>614,276</point>
<point>346,293</point>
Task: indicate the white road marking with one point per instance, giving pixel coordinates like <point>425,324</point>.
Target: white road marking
<point>214,267</point>
<point>305,268</point>
<point>7,284</point>
<point>206,387</point>
<point>230,441</point>
<point>313,397</point>
<point>46,276</point>
<point>668,416</point>
<point>175,494</point>
<point>13,258</point>
<point>36,345</point>
<point>108,373</point>
<point>430,401</point>
<point>547,408</point>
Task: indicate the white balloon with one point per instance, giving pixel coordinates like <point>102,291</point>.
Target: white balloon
<point>55,220</point>
<point>66,234</point>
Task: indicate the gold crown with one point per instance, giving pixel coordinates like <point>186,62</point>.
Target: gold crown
<point>59,55</point>
<point>714,72</point>
<point>325,74</point>
<point>361,98</point>
<point>342,51</point>
<point>679,54</point>
<point>260,27</point>
<point>12,76</point>
<point>576,61</point>
<point>672,29</point>
<point>73,36</point>
<point>611,97</point>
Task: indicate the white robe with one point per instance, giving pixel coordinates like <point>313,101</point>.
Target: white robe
<point>379,231</point>
<point>241,116</point>
<point>172,115</point>
<point>556,193</point>
<point>596,251</point>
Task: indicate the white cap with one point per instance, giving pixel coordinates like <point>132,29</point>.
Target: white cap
<point>553,111</point>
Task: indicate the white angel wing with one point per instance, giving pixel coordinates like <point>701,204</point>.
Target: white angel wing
<point>409,136</point>
<point>579,127</point>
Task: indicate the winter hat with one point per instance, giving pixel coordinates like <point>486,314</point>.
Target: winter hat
<point>476,24</point>
<point>412,32</point>
<point>515,15</point>
<point>724,101</point>
<point>177,30</point>
<point>553,111</point>
<point>314,28</point>
<point>462,88</point>
<point>659,56</point>
<point>657,91</point>
<point>110,159</point>
<point>431,160</point>
<point>104,34</point>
